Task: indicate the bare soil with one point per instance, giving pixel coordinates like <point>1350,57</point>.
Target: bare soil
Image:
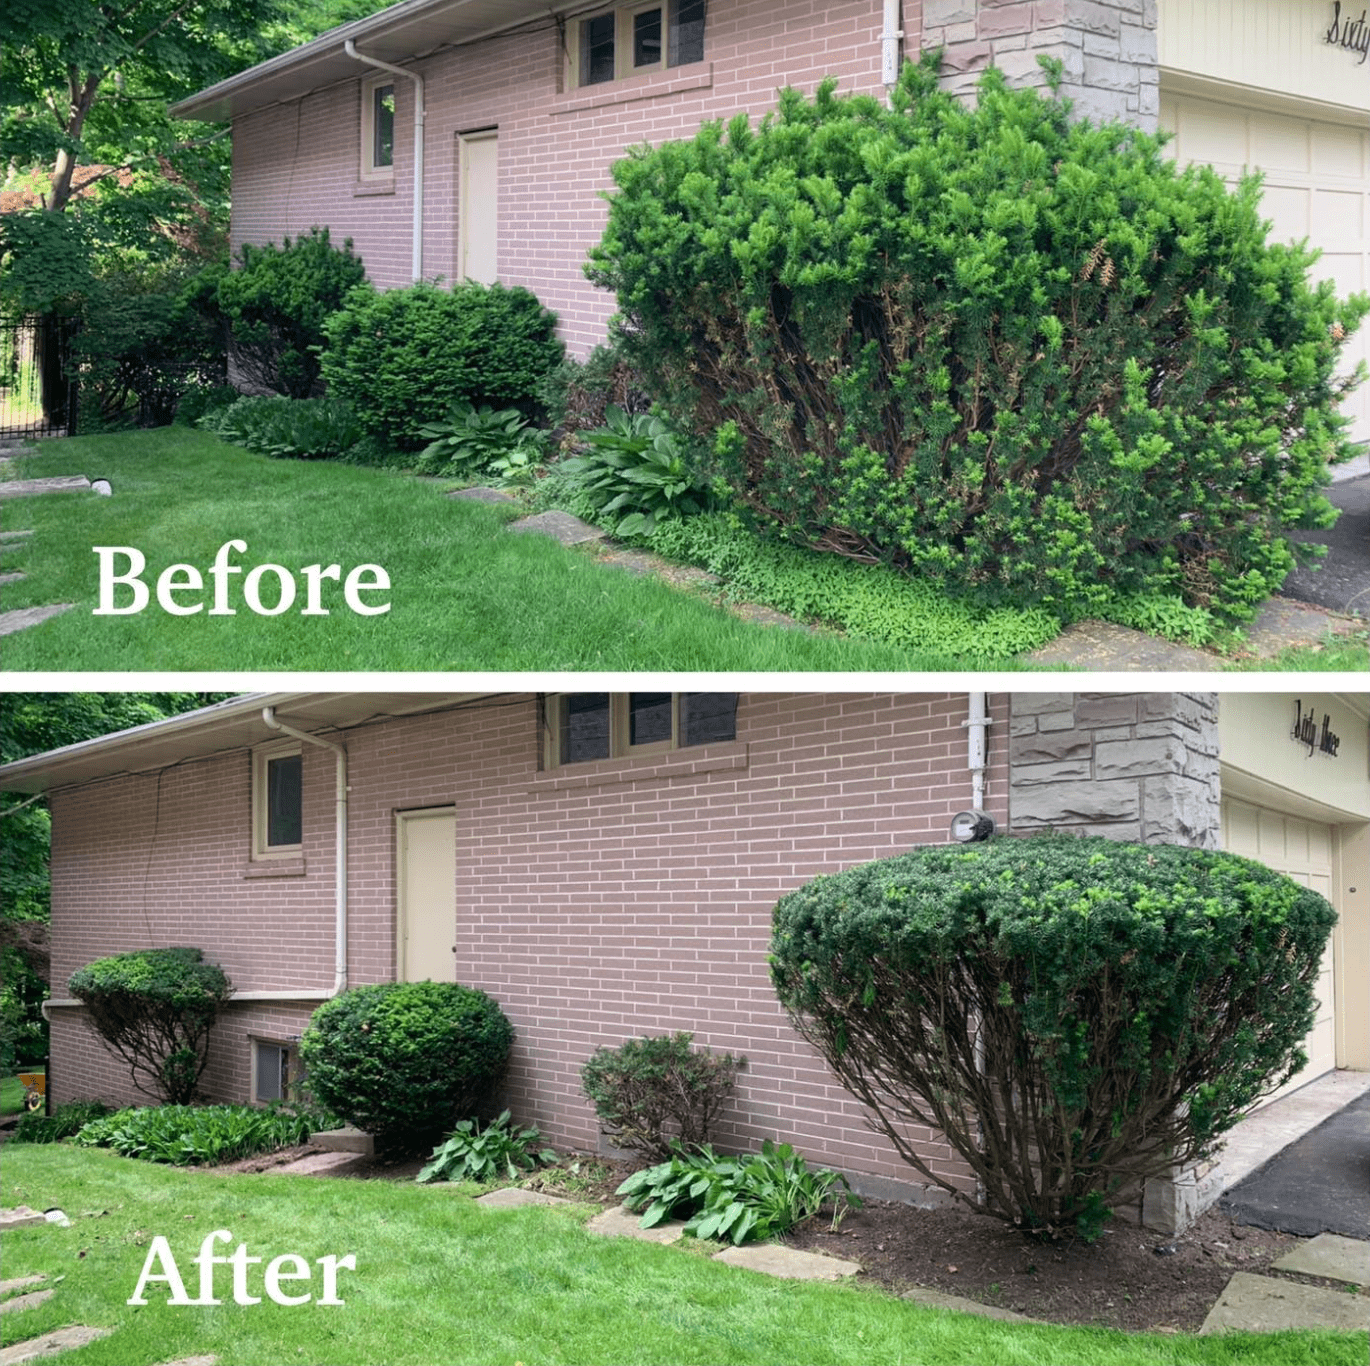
<point>1130,1278</point>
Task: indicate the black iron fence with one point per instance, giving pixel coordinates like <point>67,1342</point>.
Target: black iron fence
<point>38,390</point>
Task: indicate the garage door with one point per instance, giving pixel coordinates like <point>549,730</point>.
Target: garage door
<point>1303,850</point>
<point>1317,185</point>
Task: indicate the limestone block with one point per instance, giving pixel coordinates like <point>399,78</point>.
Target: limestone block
<point>1032,775</point>
<point>1050,747</point>
<point>1039,703</point>
<point>1136,758</point>
<point>1093,709</point>
<point>1137,44</point>
<point>1076,803</point>
<point>939,12</point>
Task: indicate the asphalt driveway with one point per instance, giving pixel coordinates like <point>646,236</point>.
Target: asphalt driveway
<point>1342,582</point>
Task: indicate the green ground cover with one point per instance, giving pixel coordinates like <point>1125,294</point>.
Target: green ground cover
<point>439,1279</point>
<point>465,596</point>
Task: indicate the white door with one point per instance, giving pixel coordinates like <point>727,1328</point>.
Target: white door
<point>426,878</point>
<point>1304,851</point>
<point>478,216</point>
<point>1317,185</point>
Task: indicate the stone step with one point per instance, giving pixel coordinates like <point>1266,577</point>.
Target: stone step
<point>789,1263</point>
<point>49,1344</point>
<point>28,488</point>
<point>622,1223</point>
<point>1332,1256</point>
<point>24,617</point>
<point>1263,1304</point>
<point>515,1197</point>
<point>16,1304</point>
<point>935,1299</point>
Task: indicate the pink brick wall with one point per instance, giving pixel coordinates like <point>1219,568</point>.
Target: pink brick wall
<point>295,166</point>
<point>595,902</point>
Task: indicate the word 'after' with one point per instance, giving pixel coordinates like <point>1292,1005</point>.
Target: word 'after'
<point>180,587</point>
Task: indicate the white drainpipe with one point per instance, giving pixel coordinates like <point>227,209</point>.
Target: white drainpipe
<point>420,114</point>
<point>977,724</point>
<point>889,45</point>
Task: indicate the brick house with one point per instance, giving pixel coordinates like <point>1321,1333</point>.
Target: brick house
<point>605,865</point>
<point>525,106</point>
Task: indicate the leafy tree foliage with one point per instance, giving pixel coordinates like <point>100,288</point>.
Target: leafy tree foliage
<point>994,346</point>
<point>154,1009</point>
<point>1075,1015</point>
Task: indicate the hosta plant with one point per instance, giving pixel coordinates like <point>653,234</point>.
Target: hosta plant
<point>470,440</point>
<point>499,1151</point>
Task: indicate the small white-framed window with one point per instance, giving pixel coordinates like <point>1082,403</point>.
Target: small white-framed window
<point>631,39</point>
<point>273,1070</point>
<point>277,801</point>
<point>378,128</point>
<point>581,727</point>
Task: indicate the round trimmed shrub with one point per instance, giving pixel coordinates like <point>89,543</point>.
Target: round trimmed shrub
<point>406,1060</point>
<point>154,1008</point>
<point>401,358</point>
<point>1075,1015</point>
<point>1027,356</point>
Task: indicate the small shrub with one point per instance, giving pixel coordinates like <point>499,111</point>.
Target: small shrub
<point>470,441</point>
<point>1075,1015</point>
<point>577,395</point>
<point>634,474</point>
<point>655,1095</point>
<point>402,357</point>
<point>154,1009</point>
<point>403,1060</point>
<point>199,1135</point>
<point>737,1199</point>
<point>286,428</point>
<point>499,1151</point>
<point>201,399</point>
<point>998,347</point>
<point>63,1122</point>
<point>274,306</point>
<point>23,1030</point>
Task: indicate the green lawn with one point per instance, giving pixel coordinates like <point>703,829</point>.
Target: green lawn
<point>439,1279</point>
<point>11,1096</point>
<point>466,595</point>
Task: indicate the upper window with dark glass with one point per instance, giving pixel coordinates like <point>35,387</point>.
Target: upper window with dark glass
<point>602,725</point>
<point>636,38</point>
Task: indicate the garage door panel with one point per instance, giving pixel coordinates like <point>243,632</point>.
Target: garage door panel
<point>1338,151</point>
<point>1278,142</point>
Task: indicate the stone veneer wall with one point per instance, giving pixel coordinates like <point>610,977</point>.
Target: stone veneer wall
<point>1107,49</point>
<point>1134,766</point>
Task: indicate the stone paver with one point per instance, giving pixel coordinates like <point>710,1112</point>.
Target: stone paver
<point>21,1216</point>
<point>347,1139</point>
<point>1332,1256</point>
<point>18,1303</point>
<point>11,578</point>
<point>319,1164</point>
<point>560,526</point>
<point>27,488</point>
<point>19,1282</point>
<point>511,1197</point>
<point>483,495</point>
<point>49,1344</point>
<point>1263,1304</point>
<point>621,1223</point>
<point>935,1299</point>
<point>14,538</point>
<point>193,1361</point>
<point>775,1259</point>
<point>24,617</point>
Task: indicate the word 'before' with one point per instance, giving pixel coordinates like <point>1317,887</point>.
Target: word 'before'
<point>287,1267</point>
<point>180,587</point>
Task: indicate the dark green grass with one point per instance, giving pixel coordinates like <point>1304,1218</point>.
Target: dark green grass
<point>466,594</point>
<point>440,1279</point>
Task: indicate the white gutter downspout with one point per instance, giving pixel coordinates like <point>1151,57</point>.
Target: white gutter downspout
<point>340,875</point>
<point>976,726</point>
<point>420,114</point>
<point>889,45</point>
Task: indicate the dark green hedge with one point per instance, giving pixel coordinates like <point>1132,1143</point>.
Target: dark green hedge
<point>406,1060</point>
<point>1074,1014</point>
<point>993,346</point>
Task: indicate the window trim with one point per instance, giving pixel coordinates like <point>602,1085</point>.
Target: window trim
<point>367,170</point>
<point>261,757</point>
<point>624,17</point>
<point>620,718</point>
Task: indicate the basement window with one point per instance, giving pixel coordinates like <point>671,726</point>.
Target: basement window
<point>632,39</point>
<point>271,1070</point>
<point>598,725</point>
<point>378,129</point>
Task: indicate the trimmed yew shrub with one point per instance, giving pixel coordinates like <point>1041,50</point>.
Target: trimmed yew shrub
<point>1026,356</point>
<point>401,358</point>
<point>1073,1014</point>
<point>656,1096</point>
<point>406,1060</point>
<point>154,1008</point>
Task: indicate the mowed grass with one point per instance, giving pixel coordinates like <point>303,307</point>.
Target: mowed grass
<point>11,1096</point>
<point>439,1279</point>
<point>466,594</point>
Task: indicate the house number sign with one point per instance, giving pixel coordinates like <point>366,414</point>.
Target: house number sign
<point>1306,732</point>
<point>1352,34</point>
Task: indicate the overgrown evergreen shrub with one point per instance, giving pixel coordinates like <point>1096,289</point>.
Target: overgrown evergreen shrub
<point>656,1095</point>
<point>993,346</point>
<point>401,357</point>
<point>273,305</point>
<point>1073,1014</point>
<point>154,1008</point>
<point>407,1060</point>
